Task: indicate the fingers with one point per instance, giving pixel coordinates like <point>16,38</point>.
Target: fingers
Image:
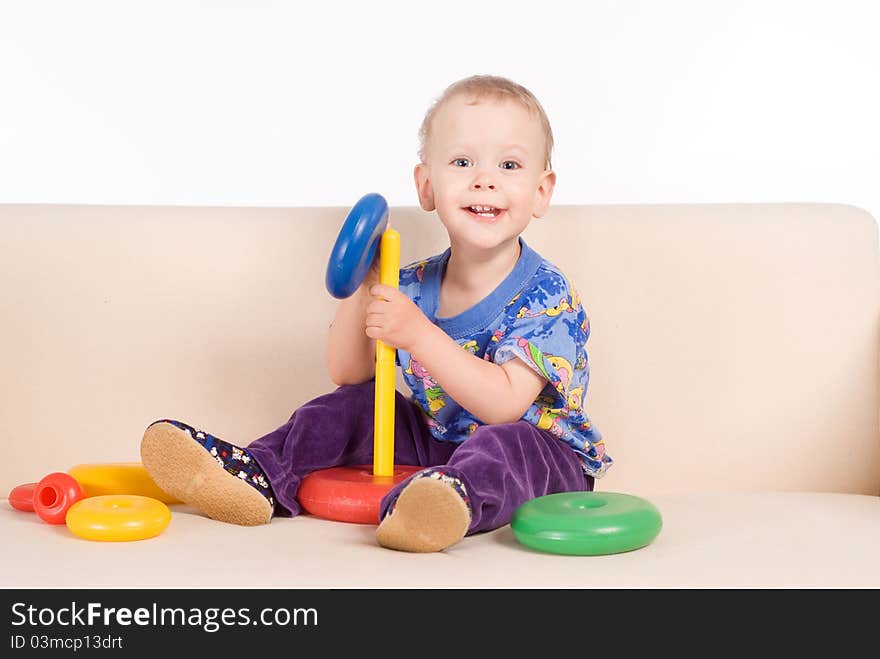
<point>383,291</point>
<point>379,306</point>
<point>376,311</point>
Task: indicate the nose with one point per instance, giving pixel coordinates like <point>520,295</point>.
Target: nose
<point>483,181</point>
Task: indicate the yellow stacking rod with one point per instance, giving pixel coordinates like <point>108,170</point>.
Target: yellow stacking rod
<point>383,429</point>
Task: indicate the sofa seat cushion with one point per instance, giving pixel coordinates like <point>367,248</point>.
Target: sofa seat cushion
<point>718,539</point>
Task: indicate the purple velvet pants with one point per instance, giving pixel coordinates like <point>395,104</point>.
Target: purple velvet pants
<point>501,466</point>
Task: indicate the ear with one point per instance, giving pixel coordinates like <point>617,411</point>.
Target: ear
<point>544,193</point>
<point>423,187</point>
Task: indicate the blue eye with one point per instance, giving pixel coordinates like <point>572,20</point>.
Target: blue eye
<point>515,164</point>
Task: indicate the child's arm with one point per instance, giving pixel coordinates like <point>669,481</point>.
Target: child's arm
<point>492,393</point>
<point>351,354</point>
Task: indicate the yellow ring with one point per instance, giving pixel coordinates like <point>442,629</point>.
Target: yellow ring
<point>118,517</point>
<point>118,478</point>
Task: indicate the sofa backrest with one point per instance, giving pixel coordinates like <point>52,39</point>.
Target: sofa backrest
<point>733,346</point>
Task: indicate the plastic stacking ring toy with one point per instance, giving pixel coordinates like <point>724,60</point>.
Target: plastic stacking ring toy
<point>118,517</point>
<point>22,497</point>
<point>586,523</point>
<point>54,495</point>
<point>118,478</point>
<point>354,493</point>
<point>349,494</point>
<point>356,245</point>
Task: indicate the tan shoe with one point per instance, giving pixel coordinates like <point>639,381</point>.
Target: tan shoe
<point>429,515</point>
<point>185,469</point>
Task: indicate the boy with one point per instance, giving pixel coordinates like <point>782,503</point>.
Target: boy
<point>490,337</point>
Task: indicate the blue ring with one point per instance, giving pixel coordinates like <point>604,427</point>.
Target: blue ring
<point>356,245</point>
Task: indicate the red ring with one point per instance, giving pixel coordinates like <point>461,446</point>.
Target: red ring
<point>22,497</point>
<point>54,495</point>
<point>349,494</point>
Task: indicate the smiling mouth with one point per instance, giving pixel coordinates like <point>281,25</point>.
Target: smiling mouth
<point>486,216</point>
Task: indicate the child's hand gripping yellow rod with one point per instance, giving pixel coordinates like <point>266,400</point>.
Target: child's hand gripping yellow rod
<point>383,430</point>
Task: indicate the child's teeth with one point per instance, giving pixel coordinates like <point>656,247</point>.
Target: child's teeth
<point>478,210</point>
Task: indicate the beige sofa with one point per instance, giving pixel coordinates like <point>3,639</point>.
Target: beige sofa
<point>734,375</point>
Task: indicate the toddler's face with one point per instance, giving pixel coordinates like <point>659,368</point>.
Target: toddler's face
<point>489,154</point>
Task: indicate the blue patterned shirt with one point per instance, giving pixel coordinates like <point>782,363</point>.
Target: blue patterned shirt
<point>534,315</point>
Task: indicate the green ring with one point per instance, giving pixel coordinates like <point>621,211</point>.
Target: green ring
<point>586,523</point>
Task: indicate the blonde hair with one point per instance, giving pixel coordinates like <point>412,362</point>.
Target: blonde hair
<point>496,88</point>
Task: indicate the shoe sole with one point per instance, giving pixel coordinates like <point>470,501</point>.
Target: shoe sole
<point>429,516</point>
<point>186,470</point>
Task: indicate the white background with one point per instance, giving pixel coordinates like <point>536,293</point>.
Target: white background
<point>315,104</point>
